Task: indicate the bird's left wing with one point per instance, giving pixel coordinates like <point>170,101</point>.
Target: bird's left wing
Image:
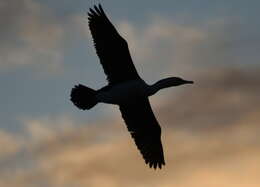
<point>111,48</point>
<point>145,131</point>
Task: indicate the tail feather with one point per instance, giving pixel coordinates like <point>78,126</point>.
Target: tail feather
<point>83,97</point>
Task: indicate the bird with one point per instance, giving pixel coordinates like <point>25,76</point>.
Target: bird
<point>125,88</point>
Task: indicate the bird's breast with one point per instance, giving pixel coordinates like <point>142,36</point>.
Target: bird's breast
<point>123,92</point>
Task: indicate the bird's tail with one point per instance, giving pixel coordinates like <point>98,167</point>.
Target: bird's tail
<point>83,97</point>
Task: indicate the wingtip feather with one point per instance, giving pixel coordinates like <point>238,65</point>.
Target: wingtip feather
<point>97,10</point>
<point>101,9</point>
<point>154,164</point>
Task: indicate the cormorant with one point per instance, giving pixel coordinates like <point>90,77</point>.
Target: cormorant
<point>125,88</point>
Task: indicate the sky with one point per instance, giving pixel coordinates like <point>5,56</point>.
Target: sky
<point>209,129</point>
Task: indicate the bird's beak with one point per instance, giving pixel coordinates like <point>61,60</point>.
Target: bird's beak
<point>189,82</point>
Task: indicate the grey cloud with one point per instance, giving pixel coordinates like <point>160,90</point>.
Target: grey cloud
<point>218,99</point>
<point>173,48</point>
<point>29,36</point>
<point>11,14</point>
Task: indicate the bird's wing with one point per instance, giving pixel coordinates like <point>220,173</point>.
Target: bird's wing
<point>111,48</point>
<point>145,131</point>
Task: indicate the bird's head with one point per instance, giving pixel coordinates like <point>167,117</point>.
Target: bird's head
<point>166,83</point>
<point>175,81</point>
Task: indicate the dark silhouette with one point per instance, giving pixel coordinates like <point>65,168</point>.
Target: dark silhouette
<point>125,88</point>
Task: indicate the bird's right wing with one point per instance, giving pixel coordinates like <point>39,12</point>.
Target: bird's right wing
<point>111,48</point>
<point>145,131</point>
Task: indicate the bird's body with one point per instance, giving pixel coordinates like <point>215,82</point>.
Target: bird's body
<point>120,93</point>
<point>125,88</point>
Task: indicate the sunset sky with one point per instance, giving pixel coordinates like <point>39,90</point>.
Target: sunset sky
<point>210,130</point>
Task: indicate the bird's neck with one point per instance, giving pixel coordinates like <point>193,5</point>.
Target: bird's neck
<point>164,83</point>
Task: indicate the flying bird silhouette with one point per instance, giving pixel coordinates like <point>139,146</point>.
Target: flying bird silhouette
<point>125,88</point>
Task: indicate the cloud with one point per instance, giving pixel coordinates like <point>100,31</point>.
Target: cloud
<point>217,99</point>
<point>162,44</point>
<point>199,159</point>
<point>170,48</point>
<point>30,36</point>
<point>9,143</point>
<point>211,139</point>
<point>34,37</point>
<point>163,48</point>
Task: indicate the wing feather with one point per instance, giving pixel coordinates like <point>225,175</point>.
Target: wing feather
<point>111,48</point>
<point>145,131</point>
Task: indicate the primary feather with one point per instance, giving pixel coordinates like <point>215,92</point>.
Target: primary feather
<point>111,48</point>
